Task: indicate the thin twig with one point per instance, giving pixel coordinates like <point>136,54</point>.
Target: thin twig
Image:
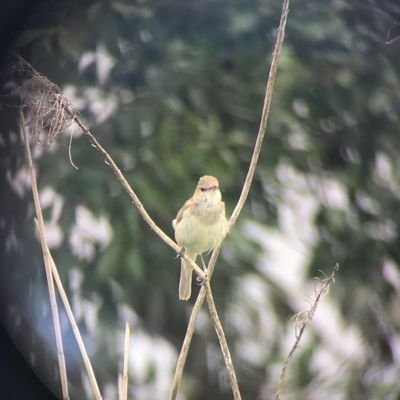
<point>180,365</point>
<point>47,265</point>
<point>243,196</point>
<point>302,319</point>
<point>75,329</point>
<point>264,115</point>
<point>186,345</point>
<point>136,201</point>
<point>125,368</point>
<point>223,343</point>
<point>70,152</point>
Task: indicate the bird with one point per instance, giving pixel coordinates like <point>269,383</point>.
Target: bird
<point>200,226</point>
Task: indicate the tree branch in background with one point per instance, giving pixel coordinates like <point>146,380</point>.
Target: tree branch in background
<point>302,319</point>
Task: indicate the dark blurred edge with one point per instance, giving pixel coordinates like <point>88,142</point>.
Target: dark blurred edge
<point>13,16</point>
<point>17,380</point>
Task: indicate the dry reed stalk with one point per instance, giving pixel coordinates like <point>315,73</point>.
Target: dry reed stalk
<point>75,329</point>
<point>47,264</point>
<point>223,343</point>
<point>125,368</point>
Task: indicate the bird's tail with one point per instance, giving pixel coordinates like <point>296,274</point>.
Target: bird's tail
<point>185,282</point>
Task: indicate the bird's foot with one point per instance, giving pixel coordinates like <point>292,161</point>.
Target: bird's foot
<point>181,253</point>
<point>201,280</point>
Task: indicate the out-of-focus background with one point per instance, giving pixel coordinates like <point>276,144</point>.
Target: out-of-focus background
<point>173,89</point>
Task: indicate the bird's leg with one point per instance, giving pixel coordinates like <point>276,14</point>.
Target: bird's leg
<point>203,264</point>
<point>202,281</point>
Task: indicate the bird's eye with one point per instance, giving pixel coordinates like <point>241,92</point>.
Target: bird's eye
<point>203,189</point>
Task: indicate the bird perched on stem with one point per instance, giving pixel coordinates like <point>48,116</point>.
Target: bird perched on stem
<point>200,226</point>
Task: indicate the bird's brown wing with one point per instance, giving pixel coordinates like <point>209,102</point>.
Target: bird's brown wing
<point>182,211</point>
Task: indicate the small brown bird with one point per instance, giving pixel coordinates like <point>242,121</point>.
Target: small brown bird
<point>200,226</point>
